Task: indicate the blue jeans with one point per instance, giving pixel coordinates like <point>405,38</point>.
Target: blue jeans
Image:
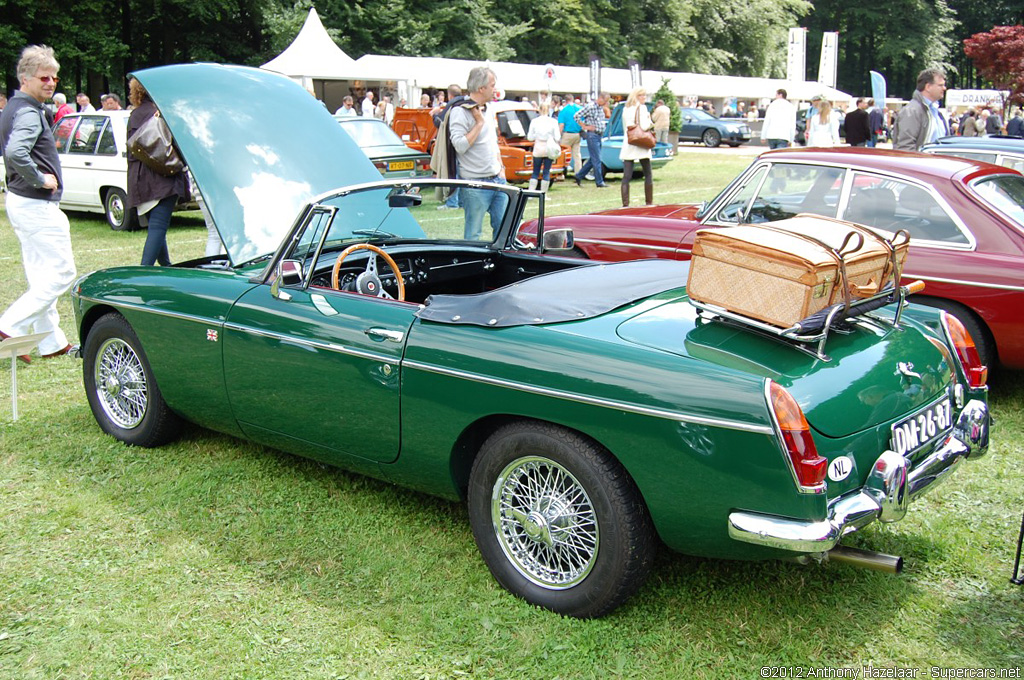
<point>594,162</point>
<point>476,202</point>
<point>778,143</point>
<point>453,199</point>
<point>542,165</point>
<point>155,250</point>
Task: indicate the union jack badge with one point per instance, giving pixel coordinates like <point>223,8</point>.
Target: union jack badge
<point>211,335</point>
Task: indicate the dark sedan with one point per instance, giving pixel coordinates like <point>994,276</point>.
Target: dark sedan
<point>965,218</point>
<point>701,126</point>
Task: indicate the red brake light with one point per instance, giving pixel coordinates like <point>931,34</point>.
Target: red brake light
<point>807,465</point>
<point>966,350</point>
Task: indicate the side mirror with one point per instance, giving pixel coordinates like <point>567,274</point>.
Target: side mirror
<point>289,273</point>
<point>404,200</point>
<point>558,239</point>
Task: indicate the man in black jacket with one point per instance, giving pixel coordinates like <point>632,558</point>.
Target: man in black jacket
<point>858,129</point>
<point>34,186</point>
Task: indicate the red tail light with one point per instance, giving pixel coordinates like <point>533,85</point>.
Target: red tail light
<point>808,467</point>
<point>966,350</point>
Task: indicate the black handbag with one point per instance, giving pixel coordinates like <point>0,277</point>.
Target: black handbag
<point>153,145</point>
<point>638,137</point>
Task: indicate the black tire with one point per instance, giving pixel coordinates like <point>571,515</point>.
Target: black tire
<point>115,208</point>
<point>558,520</point>
<point>983,339</point>
<point>711,138</point>
<point>119,384</point>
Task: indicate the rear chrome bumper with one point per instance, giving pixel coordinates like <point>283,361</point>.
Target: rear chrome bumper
<point>890,487</point>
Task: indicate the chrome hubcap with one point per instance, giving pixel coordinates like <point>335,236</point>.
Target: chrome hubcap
<point>121,384</point>
<point>544,522</point>
<point>116,210</point>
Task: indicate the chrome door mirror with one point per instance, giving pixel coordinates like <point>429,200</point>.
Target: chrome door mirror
<point>558,239</point>
<point>289,273</point>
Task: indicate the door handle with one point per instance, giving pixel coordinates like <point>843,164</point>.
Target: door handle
<point>385,334</point>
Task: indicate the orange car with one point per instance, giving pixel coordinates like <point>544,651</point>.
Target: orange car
<point>417,130</point>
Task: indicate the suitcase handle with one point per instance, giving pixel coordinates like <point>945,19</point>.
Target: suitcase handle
<point>838,253</point>
<point>870,289</point>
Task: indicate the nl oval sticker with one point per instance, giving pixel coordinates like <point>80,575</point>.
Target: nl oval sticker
<point>840,468</point>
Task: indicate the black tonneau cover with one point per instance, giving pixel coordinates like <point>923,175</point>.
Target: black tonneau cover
<point>578,293</point>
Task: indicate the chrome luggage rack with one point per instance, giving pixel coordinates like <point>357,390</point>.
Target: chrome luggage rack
<point>815,329</point>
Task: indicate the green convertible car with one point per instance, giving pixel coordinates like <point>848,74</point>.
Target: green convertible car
<point>587,413</point>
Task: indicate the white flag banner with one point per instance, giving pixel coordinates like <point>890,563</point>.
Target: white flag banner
<point>829,59</point>
<point>796,60</point>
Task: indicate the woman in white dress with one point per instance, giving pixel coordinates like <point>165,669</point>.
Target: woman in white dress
<point>544,134</point>
<point>636,114</point>
<point>823,128</point>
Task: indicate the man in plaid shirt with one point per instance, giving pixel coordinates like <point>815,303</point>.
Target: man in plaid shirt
<point>591,120</point>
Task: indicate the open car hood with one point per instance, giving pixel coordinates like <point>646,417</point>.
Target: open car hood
<point>258,146</point>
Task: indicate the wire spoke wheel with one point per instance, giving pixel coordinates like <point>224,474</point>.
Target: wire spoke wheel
<point>123,394</point>
<point>558,520</point>
<point>121,384</point>
<point>545,522</point>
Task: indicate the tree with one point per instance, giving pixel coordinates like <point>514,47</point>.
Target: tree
<point>999,57</point>
<point>898,38</point>
<point>976,17</point>
<point>664,93</point>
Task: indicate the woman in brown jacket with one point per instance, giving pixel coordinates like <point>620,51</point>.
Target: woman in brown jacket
<point>153,195</point>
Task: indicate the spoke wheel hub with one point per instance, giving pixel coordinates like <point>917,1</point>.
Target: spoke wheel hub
<point>545,522</point>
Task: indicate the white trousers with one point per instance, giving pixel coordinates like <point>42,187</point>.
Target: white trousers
<point>45,236</point>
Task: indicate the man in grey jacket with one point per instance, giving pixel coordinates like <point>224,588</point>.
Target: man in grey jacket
<point>475,139</point>
<point>920,121</point>
<point>34,187</point>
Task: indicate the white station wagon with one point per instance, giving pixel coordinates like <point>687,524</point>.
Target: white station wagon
<point>93,150</point>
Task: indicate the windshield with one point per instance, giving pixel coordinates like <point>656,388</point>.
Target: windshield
<point>369,132</point>
<point>1005,193</point>
<point>402,211</point>
<point>698,114</point>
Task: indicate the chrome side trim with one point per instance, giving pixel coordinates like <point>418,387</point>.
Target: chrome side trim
<point>883,497</point>
<point>593,401</point>
<point>958,282</point>
<point>315,344</point>
<point>160,312</point>
<point>625,244</point>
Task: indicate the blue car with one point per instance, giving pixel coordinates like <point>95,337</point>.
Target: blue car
<point>995,149</point>
<point>611,144</point>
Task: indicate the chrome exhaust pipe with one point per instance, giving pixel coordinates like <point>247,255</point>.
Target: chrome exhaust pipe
<point>892,564</point>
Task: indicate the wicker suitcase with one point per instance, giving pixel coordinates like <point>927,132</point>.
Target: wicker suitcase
<point>775,275</point>
<point>871,267</point>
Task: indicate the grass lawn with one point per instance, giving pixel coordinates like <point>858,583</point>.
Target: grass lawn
<point>213,559</point>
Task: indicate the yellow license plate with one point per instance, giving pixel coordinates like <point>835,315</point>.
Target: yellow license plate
<point>402,165</point>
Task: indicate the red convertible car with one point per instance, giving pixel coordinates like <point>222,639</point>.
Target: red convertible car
<point>965,219</point>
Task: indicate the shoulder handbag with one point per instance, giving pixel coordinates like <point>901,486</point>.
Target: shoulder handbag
<point>153,145</point>
<point>540,148</point>
<point>638,137</point>
<point>554,147</point>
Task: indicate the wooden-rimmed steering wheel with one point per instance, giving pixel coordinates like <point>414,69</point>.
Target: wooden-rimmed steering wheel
<point>368,283</point>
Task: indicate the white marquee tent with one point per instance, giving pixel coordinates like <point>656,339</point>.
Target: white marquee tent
<point>318,63</point>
